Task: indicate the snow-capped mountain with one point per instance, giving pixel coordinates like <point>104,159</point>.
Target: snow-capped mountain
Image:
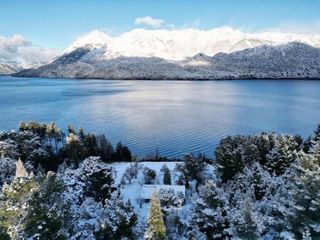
<point>7,68</point>
<point>187,54</point>
<point>291,60</point>
<point>95,39</point>
<point>180,44</point>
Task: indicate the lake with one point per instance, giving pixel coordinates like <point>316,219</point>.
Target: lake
<point>175,117</point>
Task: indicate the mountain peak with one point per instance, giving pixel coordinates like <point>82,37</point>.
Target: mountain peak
<point>180,44</point>
<point>94,39</point>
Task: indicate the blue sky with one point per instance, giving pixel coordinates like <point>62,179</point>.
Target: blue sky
<point>57,23</point>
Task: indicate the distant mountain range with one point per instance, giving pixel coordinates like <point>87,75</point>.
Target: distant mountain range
<point>222,53</point>
<point>17,53</point>
<point>8,68</point>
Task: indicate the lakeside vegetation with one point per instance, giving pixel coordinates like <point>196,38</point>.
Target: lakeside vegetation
<point>59,185</point>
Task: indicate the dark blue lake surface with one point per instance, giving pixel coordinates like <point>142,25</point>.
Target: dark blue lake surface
<point>175,117</point>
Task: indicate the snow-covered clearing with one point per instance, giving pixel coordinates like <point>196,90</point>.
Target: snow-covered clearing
<point>131,191</point>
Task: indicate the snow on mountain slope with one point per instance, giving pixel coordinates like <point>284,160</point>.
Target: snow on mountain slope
<point>94,39</point>
<point>292,60</point>
<point>7,68</point>
<point>183,43</point>
<point>173,45</point>
<point>218,53</point>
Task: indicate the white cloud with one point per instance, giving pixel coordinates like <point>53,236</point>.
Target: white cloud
<point>149,21</point>
<point>19,51</point>
<point>11,44</point>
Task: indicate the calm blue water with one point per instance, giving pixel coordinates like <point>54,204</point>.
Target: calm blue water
<point>173,116</point>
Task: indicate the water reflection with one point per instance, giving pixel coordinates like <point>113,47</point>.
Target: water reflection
<point>174,117</point>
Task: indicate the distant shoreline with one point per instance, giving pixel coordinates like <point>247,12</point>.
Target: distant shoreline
<point>175,79</point>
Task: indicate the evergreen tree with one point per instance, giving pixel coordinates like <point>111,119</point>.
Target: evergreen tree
<point>126,154</point>
<point>71,130</point>
<point>149,175</point>
<point>156,228</point>
<point>118,219</point>
<point>171,206</point>
<point>298,139</point>
<point>192,169</point>
<point>34,127</point>
<point>3,234</point>
<point>8,149</point>
<point>306,145</point>
<point>264,143</point>
<point>7,170</point>
<point>90,145</point>
<point>209,214</point>
<point>22,126</point>
<point>100,184</point>
<point>258,184</point>
<point>122,153</point>
<point>281,156</point>
<point>170,201</point>
<point>13,204</point>
<point>53,132</point>
<point>254,179</point>
<point>309,143</point>
<point>229,158</point>
<point>74,148</point>
<point>315,152</point>
<point>166,175</point>
<point>245,224</point>
<point>316,134</point>
<point>29,146</point>
<point>48,215</point>
<point>81,134</point>
<point>250,153</point>
<point>105,148</point>
<point>305,192</point>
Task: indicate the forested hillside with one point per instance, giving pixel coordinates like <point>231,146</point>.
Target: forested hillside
<point>76,185</point>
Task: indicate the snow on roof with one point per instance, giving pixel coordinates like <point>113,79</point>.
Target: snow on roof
<point>148,190</point>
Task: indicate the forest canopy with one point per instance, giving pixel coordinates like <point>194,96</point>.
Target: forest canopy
<point>77,185</point>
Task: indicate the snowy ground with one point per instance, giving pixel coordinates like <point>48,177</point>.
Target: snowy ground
<point>132,191</point>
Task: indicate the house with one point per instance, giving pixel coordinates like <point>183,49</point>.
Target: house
<point>148,190</point>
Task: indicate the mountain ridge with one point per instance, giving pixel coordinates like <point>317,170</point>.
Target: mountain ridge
<point>292,60</point>
<point>174,46</point>
<point>8,68</point>
<point>182,43</point>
